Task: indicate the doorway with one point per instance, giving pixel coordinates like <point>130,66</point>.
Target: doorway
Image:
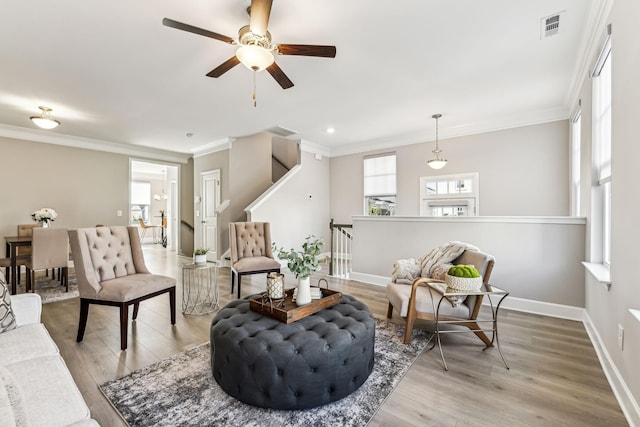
<point>154,198</point>
<point>210,185</point>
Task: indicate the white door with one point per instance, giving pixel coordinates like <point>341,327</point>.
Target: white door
<point>210,201</point>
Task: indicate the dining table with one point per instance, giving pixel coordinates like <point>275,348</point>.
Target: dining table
<point>12,243</point>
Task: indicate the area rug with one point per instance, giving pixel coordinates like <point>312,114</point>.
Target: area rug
<point>49,289</point>
<point>180,390</point>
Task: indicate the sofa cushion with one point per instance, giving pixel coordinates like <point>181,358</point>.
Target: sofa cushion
<point>51,396</point>
<point>12,403</point>
<point>7,318</point>
<point>26,342</point>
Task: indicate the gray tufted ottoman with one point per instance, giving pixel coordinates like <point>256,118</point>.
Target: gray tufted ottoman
<point>316,360</point>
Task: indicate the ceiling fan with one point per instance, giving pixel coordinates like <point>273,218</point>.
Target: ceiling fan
<point>256,50</point>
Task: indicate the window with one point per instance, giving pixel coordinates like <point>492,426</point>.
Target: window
<point>602,149</point>
<point>380,184</point>
<point>449,195</point>
<point>140,200</point>
<point>575,163</point>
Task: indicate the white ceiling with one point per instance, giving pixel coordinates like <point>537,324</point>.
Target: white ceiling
<point>113,73</point>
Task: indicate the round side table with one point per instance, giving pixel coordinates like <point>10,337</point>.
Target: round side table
<point>200,288</point>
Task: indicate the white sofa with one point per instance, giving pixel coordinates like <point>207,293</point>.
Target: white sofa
<point>36,388</point>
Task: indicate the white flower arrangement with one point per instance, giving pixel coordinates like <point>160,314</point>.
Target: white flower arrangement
<point>44,215</point>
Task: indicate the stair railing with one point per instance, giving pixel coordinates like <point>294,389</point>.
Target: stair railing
<point>341,247</point>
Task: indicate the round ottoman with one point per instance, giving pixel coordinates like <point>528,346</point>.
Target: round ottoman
<point>316,360</point>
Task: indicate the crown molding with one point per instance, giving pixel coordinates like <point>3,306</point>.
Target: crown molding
<point>507,122</point>
<point>48,137</point>
<point>213,147</point>
<point>589,48</point>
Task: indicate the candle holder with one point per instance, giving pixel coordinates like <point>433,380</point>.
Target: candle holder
<point>275,286</point>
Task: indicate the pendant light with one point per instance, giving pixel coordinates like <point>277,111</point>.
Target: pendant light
<point>44,120</point>
<point>437,162</point>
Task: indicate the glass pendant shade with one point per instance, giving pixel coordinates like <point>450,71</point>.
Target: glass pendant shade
<point>254,57</point>
<point>44,120</point>
<point>437,163</point>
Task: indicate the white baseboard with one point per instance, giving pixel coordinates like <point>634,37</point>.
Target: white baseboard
<point>369,278</point>
<point>624,396</point>
<point>511,303</point>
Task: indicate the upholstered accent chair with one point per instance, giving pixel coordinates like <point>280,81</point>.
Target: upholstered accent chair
<point>110,270</point>
<point>250,245</point>
<point>49,249</point>
<point>413,301</point>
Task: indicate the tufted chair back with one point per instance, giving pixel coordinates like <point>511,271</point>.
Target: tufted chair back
<point>110,270</point>
<point>105,253</point>
<point>249,239</point>
<point>250,247</point>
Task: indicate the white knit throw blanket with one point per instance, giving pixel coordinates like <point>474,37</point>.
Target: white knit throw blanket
<point>442,256</point>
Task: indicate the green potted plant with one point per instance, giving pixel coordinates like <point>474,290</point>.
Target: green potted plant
<point>200,255</point>
<point>302,264</point>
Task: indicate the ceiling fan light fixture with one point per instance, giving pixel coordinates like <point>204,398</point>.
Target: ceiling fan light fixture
<point>437,162</point>
<point>44,120</point>
<point>255,58</point>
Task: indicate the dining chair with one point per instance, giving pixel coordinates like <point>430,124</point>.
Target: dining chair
<point>23,253</point>
<point>110,270</point>
<point>145,227</point>
<point>49,249</point>
<point>250,245</point>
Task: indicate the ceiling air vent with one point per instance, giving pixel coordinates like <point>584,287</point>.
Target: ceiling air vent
<point>281,131</point>
<point>550,25</point>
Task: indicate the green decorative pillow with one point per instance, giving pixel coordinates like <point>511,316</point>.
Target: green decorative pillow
<point>7,319</point>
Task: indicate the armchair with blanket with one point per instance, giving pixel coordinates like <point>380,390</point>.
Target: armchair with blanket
<point>409,294</point>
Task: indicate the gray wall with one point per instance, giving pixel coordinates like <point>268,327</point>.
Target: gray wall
<point>300,207</point>
<point>85,187</point>
<point>536,258</point>
<point>608,309</point>
<point>523,171</point>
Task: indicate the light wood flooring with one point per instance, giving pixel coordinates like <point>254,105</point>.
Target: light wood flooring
<point>555,378</point>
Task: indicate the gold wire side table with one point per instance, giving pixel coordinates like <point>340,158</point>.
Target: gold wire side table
<point>455,297</point>
<point>200,288</point>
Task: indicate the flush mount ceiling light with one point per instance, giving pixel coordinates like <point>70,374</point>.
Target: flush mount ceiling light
<point>44,120</point>
<point>437,163</point>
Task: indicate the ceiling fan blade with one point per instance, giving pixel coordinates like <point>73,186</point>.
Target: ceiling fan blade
<point>279,75</point>
<point>190,28</point>
<point>307,50</point>
<point>224,67</point>
<point>259,18</point>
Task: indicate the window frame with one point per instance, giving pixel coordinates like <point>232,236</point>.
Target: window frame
<point>385,198</point>
<point>602,142</point>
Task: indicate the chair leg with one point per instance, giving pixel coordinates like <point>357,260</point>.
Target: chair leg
<point>239,279</point>
<point>144,230</point>
<point>410,320</point>
<point>389,311</point>
<point>476,330</point>
<point>65,278</point>
<point>233,278</point>
<point>28,280</point>
<point>84,315</point>
<point>124,320</point>
<point>172,305</point>
<point>136,306</point>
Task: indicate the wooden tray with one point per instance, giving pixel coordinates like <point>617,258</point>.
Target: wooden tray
<point>290,312</point>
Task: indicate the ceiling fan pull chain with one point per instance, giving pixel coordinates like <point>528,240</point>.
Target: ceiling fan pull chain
<point>255,101</point>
